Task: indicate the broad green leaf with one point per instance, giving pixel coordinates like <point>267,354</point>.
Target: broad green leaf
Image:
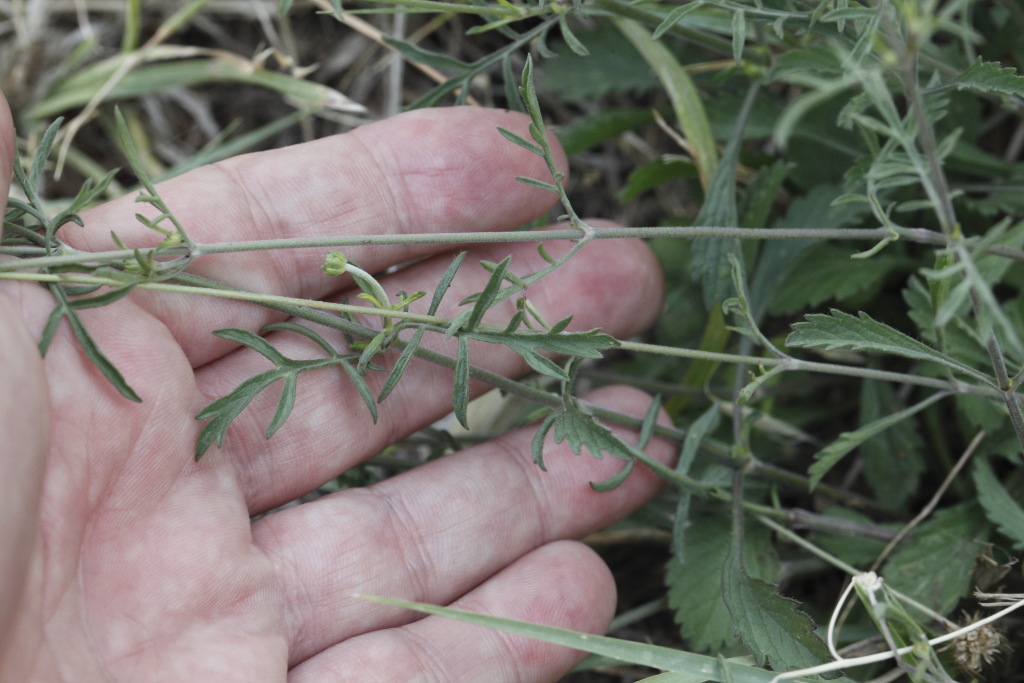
<point>613,67</point>
<point>853,548</point>
<point>711,256</point>
<point>826,272</point>
<point>460,389</point>
<point>992,78</point>
<point>894,458</point>
<point>1000,507</point>
<point>655,656</point>
<point>772,627</point>
<point>935,564</point>
<point>695,584</point>
<point>863,333</point>
<point>590,130</point>
<point>826,458</point>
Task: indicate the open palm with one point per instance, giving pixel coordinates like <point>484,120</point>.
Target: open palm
<point>124,560</point>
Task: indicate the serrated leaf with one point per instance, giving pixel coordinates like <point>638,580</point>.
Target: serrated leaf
<point>863,333</point>
<point>460,388</point>
<point>574,424</point>
<point>695,585</point>
<point>991,77</point>
<point>934,565</point>
<point>1000,507</point>
<point>614,66</point>
<point>826,272</point>
<point>826,458</point>
<point>772,627</point>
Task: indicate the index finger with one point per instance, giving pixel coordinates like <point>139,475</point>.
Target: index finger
<point>439,170</point>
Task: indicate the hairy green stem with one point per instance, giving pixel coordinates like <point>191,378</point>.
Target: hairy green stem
<point>67,256</point>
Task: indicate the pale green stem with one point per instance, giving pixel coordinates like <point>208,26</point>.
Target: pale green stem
<point>68,256</point>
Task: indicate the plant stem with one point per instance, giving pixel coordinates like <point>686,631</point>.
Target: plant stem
<point>67,256</point>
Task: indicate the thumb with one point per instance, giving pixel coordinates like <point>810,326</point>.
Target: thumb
<point>24,424</point>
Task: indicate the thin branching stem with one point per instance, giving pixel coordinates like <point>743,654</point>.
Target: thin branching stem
<point>67,256</point>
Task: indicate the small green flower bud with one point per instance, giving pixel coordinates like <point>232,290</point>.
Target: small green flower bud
<point>334,263</point>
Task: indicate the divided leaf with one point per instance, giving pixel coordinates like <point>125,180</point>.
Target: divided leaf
<point>224,410</point>
<point>530,344</point>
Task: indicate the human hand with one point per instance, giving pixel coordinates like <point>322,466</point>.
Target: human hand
<point>121,559</point>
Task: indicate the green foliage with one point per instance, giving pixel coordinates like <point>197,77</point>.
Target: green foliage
<point>854,156</point>
<point>696,583</point>
<point>934,566</point>
<point>771,626</point>
<point>1000,507</point>
<point>224,410</point>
